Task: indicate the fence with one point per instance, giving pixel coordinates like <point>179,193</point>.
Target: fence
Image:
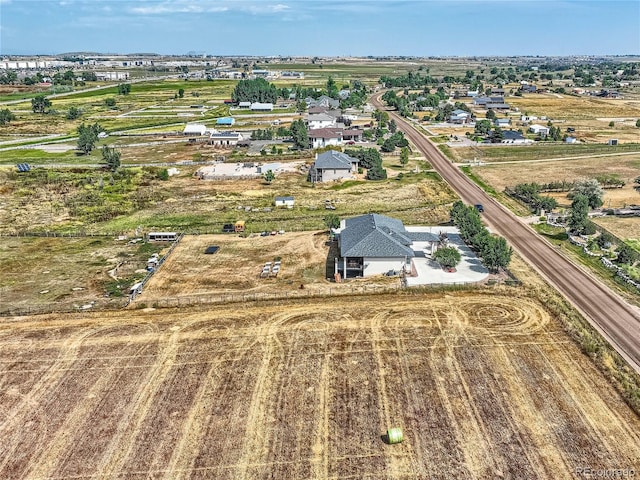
<point>17,311</point>
<point>354,290</point>
<point>152,272</point>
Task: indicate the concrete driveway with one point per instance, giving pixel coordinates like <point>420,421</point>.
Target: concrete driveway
<point>469,270</point>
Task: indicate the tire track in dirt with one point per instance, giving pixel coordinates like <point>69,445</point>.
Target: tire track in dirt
<point>256,431</point>
<point>131,422</point>
<point>181,463</point>
<point>43,467</point>
<point>10,429</point>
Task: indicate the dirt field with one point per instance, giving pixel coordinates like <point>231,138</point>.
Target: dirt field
<point>484,386</point>
<point>236,267</point>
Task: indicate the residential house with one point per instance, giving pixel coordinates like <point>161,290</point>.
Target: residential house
<point>528,118</point>
<point>482,101</point>
<point>528,88</point>
<point>374,244</point>
<point>332,165</point>
<point>497,91</point>
<point>502,122</point>
<point>539,130</point>
<point>324,137</point>
<point>284,201</point>
<point>323,101</point>
<point>320,120</point>
<point>460,117</point>
<point>352,134</point>
<point>514,137</point>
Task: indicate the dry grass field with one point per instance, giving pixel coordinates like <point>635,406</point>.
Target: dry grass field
<point>484,386</point>
<point>625,167</point>
<point>66,272</point>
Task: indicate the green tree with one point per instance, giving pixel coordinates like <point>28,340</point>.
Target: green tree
<point>181,92</point>
<point>332,88</point>
<point>73,113</point>
<point>404,156</point>
<point>612,124</point>
<point>591,189</point>
<point>491,115</point>
<point>448,257</point>
<point>604,240</point>
<point>626,255</point>
<point>496,254</point>
<point>255,90</point>
<point>638,123</point>
<point>269,176</point>
<point>87,137</point>
<point>110,102</point>
<point>392,126</point>
<point>331,220</point>
<point>299,134</point>
<point>111,158</point>
<point>124,89</point>
<point>89,77</point>
<point>6,116</point>
<point>483,127</point>
<point>579,216</point>
<point>376,172</point>
<point>40,104</point>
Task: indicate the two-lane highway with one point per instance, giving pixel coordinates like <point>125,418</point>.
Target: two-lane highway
<point>614,318</point>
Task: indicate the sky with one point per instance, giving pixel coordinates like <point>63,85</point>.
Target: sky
<point>322,27</point>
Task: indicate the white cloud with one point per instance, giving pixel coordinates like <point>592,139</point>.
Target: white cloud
<point>210,6</point>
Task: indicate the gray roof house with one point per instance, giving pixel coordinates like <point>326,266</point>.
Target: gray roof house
<point>373,244</point>
<point>332,165</point>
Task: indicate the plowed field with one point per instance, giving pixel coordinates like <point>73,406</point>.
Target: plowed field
<point>484,386</point>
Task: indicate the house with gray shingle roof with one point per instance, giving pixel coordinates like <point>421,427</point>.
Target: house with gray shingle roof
<point>375,244</point>
<point>332,165</point>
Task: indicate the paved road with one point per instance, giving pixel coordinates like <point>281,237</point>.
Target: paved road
<point>614,318</point>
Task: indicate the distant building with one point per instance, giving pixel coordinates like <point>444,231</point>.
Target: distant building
<point>261,107</point>
<point>459,117</point>
<point>224,139</point>
<point>226,121</point>
<point>320,120</point>
<point>502,122</point>
<point>244,105</point>
<point>324,137</point>
<point>539,130</point>
<point>332,165</point>
<point>284,201</point>
<point>194,129</point>
<point>514,137</point>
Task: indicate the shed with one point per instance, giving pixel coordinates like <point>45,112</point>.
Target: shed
<point>194,129</point>
<point>284,202</point>
<point>162,236</point>
<point>261,107</point>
